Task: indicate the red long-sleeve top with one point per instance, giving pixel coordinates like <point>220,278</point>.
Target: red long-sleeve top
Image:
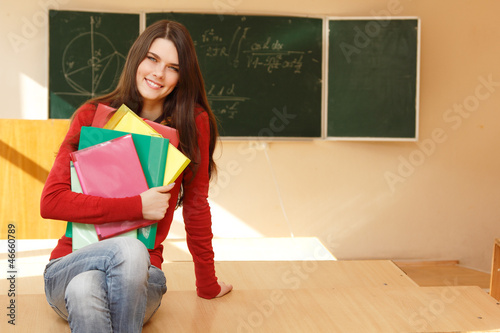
<point>60,203</point>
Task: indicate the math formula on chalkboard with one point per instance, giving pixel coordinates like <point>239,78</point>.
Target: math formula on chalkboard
<point>257,66</point>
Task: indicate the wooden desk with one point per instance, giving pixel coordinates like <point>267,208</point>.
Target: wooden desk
<point>297,296</point>
<point>347,309</point>
<point>293,274</point>
<point>389,309</point>
<point>266,275</point>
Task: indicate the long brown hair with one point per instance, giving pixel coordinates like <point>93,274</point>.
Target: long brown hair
<point>179,105</point>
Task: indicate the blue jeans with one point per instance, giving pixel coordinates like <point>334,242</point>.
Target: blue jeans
<point>108,286</point>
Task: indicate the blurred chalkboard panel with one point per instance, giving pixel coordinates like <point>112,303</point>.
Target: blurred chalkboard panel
<point>87,53</point>
<point>372,78</point>
<point>262,74</point>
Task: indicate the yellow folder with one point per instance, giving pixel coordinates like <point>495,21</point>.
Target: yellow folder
<point>176,163</point>
<point>126,120</point>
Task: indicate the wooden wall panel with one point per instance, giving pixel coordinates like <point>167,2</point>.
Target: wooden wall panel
<point>27,152</point>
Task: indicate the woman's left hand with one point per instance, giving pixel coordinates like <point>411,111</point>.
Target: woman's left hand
<point>224,289</point>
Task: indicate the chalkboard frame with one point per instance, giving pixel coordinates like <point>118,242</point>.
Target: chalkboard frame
<point>327,135</point>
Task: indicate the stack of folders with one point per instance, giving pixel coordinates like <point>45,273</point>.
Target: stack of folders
<point>122,155</point>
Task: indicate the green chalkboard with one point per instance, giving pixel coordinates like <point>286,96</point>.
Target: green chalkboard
<point>262,74</point>
<point>372,78</point>
<point>87,52</point>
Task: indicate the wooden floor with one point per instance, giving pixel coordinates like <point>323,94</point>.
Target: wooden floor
<point>444,273</point>
<point>303,296</point>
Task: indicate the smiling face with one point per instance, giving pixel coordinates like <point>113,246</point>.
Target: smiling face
<point>158,74</point>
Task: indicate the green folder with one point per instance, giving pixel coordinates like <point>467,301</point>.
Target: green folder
<point>152,152</point>
<point>69,230</point>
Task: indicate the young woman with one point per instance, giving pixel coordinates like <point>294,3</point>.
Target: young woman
<point>116,285</point>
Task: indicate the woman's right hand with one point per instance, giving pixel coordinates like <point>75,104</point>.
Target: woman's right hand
<point>155,202</point>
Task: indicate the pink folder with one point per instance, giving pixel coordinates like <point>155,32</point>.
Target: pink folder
<point>166,132</point>
<point>111,170</point>
<point>104,113</point>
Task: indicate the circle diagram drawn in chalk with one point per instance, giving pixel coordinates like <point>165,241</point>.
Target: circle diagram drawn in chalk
<point>97,73</point>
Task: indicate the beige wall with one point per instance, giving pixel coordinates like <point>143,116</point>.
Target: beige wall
<point>435,199</point>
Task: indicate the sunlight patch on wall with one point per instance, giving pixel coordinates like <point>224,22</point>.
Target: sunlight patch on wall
<point>255,249</point>
<point>224,225</point>
<point>33,99</point>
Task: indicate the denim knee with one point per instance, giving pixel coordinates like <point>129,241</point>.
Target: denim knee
<point>130,256</point>
<point>86,285</point>
<point>129,249</point>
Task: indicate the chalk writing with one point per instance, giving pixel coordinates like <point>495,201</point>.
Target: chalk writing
<point>271,62</point>
<point>224,101</point>
<point>269,53</point>
<point>267,45</point>
<point>209,36</point>
<point>229,110</point>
